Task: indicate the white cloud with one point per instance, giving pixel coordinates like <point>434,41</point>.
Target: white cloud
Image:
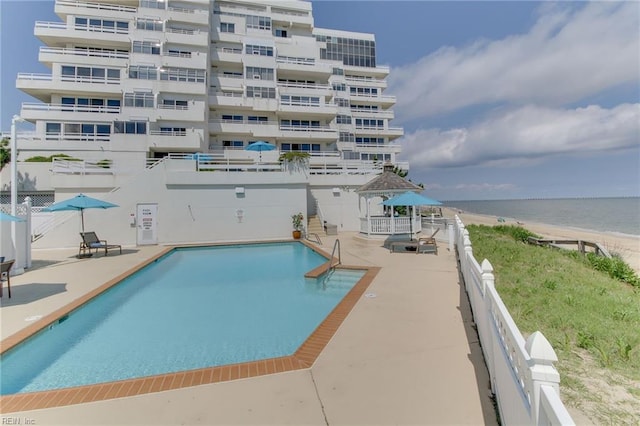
<point>566,56</point>
<point>525,133</point>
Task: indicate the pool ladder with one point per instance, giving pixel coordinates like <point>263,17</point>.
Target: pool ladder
<point>332,267</point>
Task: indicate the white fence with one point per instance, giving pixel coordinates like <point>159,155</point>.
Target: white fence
<point>523,378</point>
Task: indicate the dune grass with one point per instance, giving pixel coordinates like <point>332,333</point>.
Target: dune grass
<point>585,313</point>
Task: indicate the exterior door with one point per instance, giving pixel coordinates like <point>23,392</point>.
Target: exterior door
<point>147,224</point>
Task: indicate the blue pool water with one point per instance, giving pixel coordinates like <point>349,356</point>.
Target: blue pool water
<point>193,308</point>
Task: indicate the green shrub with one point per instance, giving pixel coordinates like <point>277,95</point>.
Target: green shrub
<point>49,159</point>
<point>517,232</point>
<point>615,267</point>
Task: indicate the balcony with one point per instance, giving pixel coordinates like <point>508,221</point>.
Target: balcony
<point>308,108</point>
<point>193,111</point>
<point>305,67</point>
<point>315,133</point>
<point>393,132</point>
<point>384,101</point>
<point>39,111</point>
<point>164,140</point>
<point>53,33</point>
<point>41,86</point>
<point>389,148</point>
<point>191,16</point>
<point>187,36</point>
<point>50,55</point>
<point>375,113</point>
<point>195,60</point>
<point>226,56</point>
<point>79,8</point>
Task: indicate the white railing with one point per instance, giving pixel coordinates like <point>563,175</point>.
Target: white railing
<point>34,76</point>
<point>89,79</point>
<point>324,128</point>
<point>95,53</point>
<point>295,61</point>
<point>212,91</point>
<point>182,31</point>
<point>233,50</point>
<point>99,6</point>
<point>314,86</point>
<point>32,106</point>
<point>82,167</point>
<point>522,375</point>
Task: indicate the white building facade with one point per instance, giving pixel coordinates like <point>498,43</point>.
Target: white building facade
<point>137,82</point>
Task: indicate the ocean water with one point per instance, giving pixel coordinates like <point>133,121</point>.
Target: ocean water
<point>614,215</point>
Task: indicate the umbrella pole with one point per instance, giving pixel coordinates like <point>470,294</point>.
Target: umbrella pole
<point>82,219</point>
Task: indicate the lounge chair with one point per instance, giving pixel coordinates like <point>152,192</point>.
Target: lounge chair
<point>91,241</point>
<point>428,244</point>
<point>5,267</point>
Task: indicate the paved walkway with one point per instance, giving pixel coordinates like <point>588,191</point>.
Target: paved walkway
<point>409,355</point>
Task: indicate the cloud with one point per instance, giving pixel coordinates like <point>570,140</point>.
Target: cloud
<point>509,136</point>
<point>570,53</point>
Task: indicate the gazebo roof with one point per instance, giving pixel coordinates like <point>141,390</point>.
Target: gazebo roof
<point>388,182</point>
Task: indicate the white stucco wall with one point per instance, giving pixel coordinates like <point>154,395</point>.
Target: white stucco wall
<point>192,207</point>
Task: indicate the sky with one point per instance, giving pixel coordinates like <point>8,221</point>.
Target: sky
<point>498,100</point>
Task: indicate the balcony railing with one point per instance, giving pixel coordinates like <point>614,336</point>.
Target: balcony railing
<point>295,61</point>
<point>76,27</point>
<point>314,86</point>
<point>97,6</point>
<point>65,78</point>
<point>84,52</point>
<point>100,109</point>
<point>325,128</point>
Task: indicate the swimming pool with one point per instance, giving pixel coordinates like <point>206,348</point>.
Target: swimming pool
<point>193,308</point>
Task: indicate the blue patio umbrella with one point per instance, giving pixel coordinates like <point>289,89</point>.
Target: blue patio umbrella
<point>411,199</point>
<point>260,146</point>
<point>79,203</point>
<point>8,218</point>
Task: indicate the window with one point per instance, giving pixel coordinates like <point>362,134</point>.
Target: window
<point>252,49</point>
<point>261,92</point>
<point>257,120</point>
<point>343,103</point>
<point>102,25</point>
<point>53,128</point>
<point>143,72</point>
<point>130,127</point>
<point>227,118</point>
<point>149,24</point>
<point>259,22</point>
<point>300,100</point>
<point>354,52</point>
<point>346,137</point>
<point>86,74</point>
<point>147,47</point>
<point>300,147</point>
<point>178,131</point>
<point>363,91</point>
<point>343,119</point>
<point>300,123</point>
<point>365,122</point>
<point>280,33</point>
<point>175,104</point>
<point>339,87</point>
<point>338,71</point>
<point>183,74</point>
<point>233,144</point>
<point>227,27</point>
<point>153,4</point>
<point>259,73</point>
<point>369,140</point>
<point>139,100</point>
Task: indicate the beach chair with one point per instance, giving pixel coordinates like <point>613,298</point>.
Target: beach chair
<point>91,241</point>
<point>428,244</point>
<point>5,267</point>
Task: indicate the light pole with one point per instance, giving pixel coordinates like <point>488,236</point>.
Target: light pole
<point>14,165</point>
<point>14,188</point>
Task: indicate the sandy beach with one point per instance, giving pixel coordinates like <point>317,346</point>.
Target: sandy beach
<point>628,247</point>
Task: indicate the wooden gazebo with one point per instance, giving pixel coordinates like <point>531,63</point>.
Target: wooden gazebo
<point>377,219</point>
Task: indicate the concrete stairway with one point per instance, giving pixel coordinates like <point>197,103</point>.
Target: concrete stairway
<point>315,227</point>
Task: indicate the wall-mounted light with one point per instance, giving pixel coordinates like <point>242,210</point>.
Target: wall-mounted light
<point>336,191</point>
<point>239,190</point>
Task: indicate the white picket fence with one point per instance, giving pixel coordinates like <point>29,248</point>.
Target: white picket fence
<point>523,377</point>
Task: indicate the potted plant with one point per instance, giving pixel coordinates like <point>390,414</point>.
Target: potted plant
<point>296,220</point>
<point>295,160</point>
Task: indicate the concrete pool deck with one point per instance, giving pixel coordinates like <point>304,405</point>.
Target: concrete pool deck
<point>409,355</point>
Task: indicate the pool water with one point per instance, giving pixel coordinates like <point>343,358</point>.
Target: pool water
<point>193,308</point>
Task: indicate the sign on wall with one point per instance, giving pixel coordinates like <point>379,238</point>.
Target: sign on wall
<point>147,224</point>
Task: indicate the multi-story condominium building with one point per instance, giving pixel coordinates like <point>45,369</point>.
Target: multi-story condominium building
<point>135,81</point>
